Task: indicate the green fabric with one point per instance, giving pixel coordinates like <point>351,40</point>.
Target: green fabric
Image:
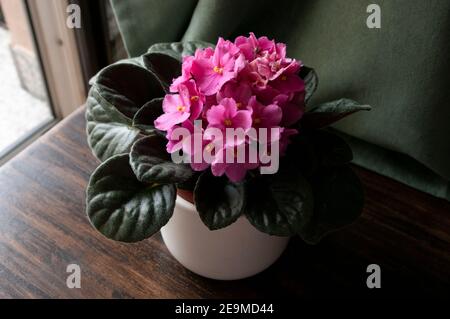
<point>402,69</point>
<point>398,166</point>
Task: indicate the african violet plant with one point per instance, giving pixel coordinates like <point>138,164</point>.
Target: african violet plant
<point>135,105</point>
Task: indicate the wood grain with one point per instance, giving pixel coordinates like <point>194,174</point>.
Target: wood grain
<point>43,228</point>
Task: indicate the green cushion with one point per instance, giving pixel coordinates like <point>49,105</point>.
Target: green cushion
<point>400,69</point>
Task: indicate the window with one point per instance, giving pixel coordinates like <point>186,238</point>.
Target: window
<point>41,72</point>
<point>24,103</point>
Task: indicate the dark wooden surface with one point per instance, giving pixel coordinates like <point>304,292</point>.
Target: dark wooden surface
<point>43,228</point>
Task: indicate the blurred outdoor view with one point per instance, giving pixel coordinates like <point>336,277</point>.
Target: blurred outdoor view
<point>24,104</point>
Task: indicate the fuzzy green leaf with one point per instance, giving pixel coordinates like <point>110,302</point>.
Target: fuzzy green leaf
<point>339,200</point>
<point>331,149</point>
<point>218,200</point>
<point>127,87</point>
<point>123,208</point>
<point>109,133</point>
<point>316,148</point>
<point>311,79</point>
<point>178,50</point>
<point>152,164</point>
<point>144,118</point>
<point>327,113</point>
<point>189,185</point>
<point>164,66</point>
<point>279,204</point>
<point>118,92</point>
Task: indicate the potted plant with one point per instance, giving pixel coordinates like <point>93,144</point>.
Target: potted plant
<point>230,130</point>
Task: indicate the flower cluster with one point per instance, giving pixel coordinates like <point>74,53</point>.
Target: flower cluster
<point>248,84</point>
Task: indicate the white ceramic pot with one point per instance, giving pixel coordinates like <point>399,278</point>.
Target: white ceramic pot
<point>234,252</point>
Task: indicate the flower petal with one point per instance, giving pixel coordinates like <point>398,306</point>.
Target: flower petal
<point>168,120</point>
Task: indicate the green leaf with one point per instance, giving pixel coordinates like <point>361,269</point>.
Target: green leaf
<point>109,133</point>
<point>279,204</point>
<point>152,164</point>
<point>127,87</point>
<point>118,92</point>
<point>327,113</point>
<point>339,106</point>
<point>314,149</point>
<point>339,200</point>
<point>218,200</point>
<point>189,185</point>
<point>311,79</point>
<point>144,118</point>
<point>301,156</point>
<point>164,66</point>
<point>178,50</point>
<point>137,61</point>
<point>124,209</point>
<point>331,149</point>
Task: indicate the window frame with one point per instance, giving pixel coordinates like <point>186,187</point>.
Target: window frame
<point>58,54</point>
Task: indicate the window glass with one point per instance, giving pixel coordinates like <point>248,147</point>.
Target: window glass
<point>24,104</point>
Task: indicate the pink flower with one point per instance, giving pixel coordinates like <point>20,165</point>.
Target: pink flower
<point>196,99</point>
<point>187,65</point>
<point>288,80</point>
<point>185,74</point>
<point>267,117</point>
<point>234,170</point>
<point>212,72</point>
<point>292,112</point>
<point>251,74</point>
<point>239,91</point>
<point>248,85</point>
<point>175,141</point>
<point>264,116</point>
<point>179,107</point>
<point>252,47</point>
<point>226,115</point>
<point>194,146</point>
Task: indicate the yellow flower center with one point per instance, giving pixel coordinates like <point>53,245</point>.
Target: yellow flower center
<point>257,120</point>
<point>283,78</point>
<point>209,147</point>
<point>239,105</point>
<point>218,70</point>
<point>194,98</point>
<point>277,65</point>
<point>227,122</point>
<point>181,108</point>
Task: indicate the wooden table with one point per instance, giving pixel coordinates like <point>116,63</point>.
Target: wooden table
<point>43,228</point>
